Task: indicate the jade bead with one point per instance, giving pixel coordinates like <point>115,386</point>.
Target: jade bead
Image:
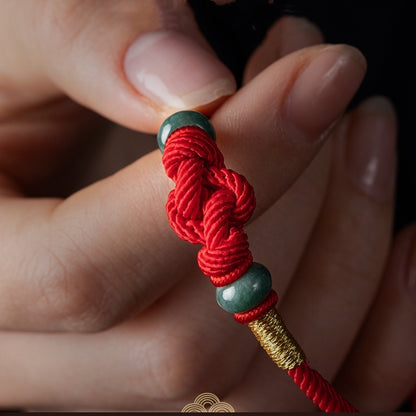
<point>246,292</point>
<point>183,119</point>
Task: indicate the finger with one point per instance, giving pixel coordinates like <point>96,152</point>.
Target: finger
<point>69,372</point>
<point>346,255</point>
<point>109,58</point>
<point>87,262</point>
<point>336,282</point>
<point>279,236</point>
<point>156,361</point>
<point>42,148</point>
<point>290,126</point>
<point>287,35</point>
<point>298,208</point>
<point>380,371</point>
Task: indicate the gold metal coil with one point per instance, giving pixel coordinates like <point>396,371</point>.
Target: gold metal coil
<point>277,341</point>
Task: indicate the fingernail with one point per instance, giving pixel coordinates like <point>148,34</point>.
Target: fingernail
<point>370,152</point>
<point>322,91</point>
<point>172,70</point>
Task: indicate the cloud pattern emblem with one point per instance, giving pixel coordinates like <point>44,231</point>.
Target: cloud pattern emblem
<point>208,403</point>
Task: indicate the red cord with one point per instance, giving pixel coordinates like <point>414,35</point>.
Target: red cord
<point>319,390</point>
<point>258,311</point>
<point>209,206</point>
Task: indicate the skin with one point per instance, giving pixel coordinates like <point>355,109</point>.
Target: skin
<point>102,306</point>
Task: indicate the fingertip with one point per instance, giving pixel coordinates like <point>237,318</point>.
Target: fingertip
<point>380,108</point>
<point>124,66</point>
<point>379,372</point>
<point>173,72</point>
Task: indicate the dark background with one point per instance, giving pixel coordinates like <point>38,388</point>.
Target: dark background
<point>383,31</point>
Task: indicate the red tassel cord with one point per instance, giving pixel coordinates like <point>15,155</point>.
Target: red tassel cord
<point>319,390</point>
<point>209,206</point>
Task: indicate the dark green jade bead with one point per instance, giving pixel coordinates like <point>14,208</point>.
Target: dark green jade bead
<point>183,119</point>
<point>246,292</point>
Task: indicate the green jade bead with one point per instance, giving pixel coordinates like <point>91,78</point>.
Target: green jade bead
<point>183,119</point>
<point>246,292</point>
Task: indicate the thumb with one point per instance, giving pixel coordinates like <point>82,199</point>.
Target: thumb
<point>174,72</point>
<point>174,66</point>
<point>132,62</point>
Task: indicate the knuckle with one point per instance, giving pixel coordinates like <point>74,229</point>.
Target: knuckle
<point>73,297</point>
<point>63,20</point>
<point>183,361</point>
<point>180,368</point>
<point>83,310</point>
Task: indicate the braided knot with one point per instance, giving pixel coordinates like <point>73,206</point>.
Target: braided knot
<point>209,205</point>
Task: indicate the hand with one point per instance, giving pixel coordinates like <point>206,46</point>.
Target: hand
<point>87,262</point>
<point>54,51</point>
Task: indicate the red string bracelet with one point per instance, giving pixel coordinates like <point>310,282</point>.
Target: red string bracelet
<point>209,206</point>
